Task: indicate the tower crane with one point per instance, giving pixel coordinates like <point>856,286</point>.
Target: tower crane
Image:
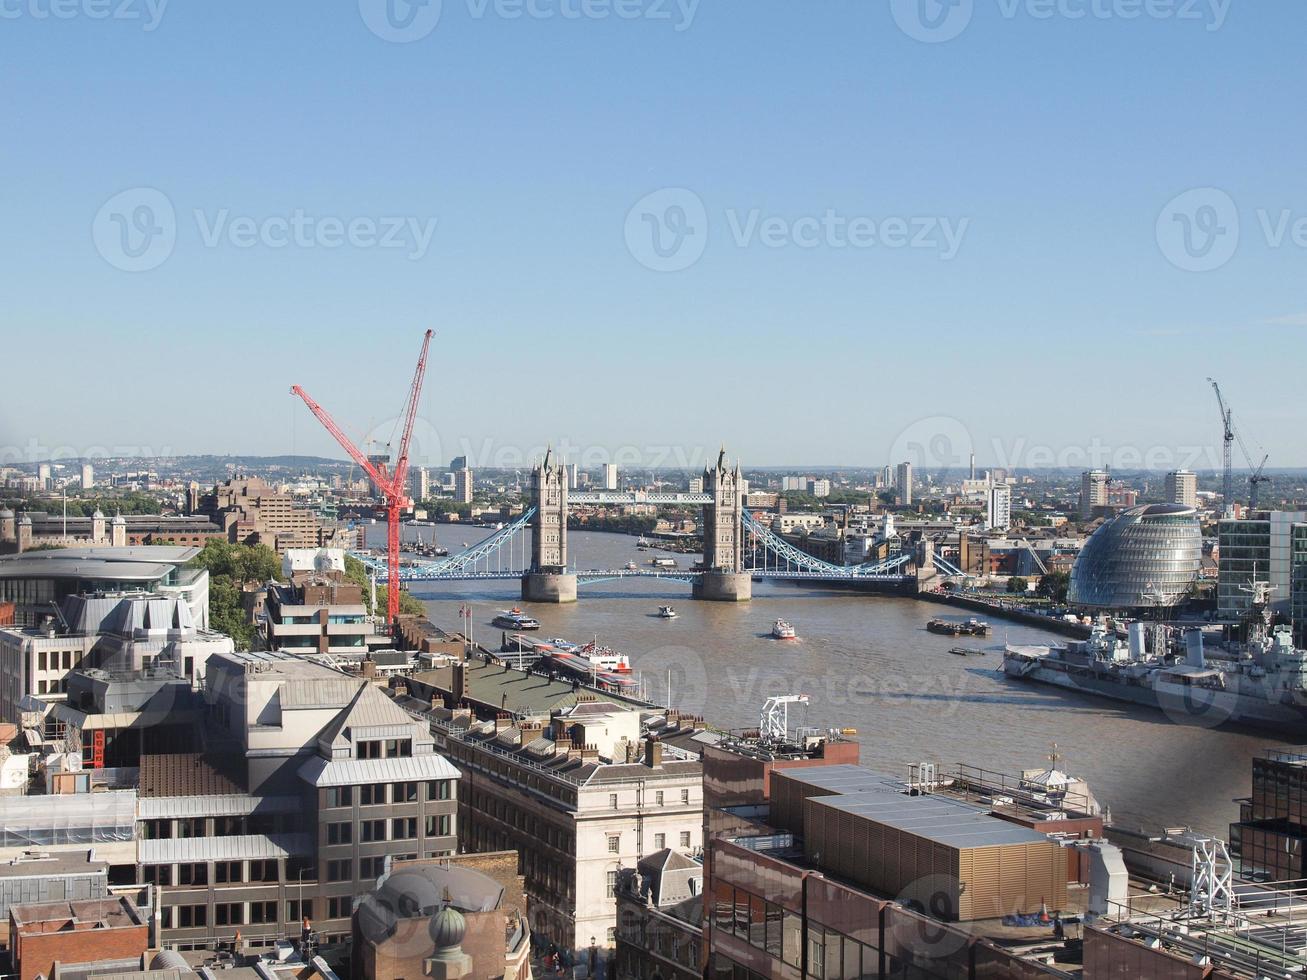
<point>390,483</point>
<point>1232,434</point>
<point>1227,454</point>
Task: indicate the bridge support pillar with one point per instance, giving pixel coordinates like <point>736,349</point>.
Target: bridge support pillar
<point>724,587</point>
<point>548,587</point>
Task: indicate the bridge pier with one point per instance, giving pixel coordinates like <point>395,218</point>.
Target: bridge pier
<point>557,587</point>
<point>718,586</point>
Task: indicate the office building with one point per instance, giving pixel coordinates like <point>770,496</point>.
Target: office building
<point>252,512</point>
<point>1258,547</point>
<point>998,511</point>
<point>1298,584</point>
<point>1182,488</point>
<point>88,476</point>
<point>318,610</point>
<point>34,580</point>
<point>903,484</point>
<point>1270,839</point>
<point>611,480</point>
<point>571,476</point>
<point>1144,558</point>
<point>311,782</point>
<point>458,463</point>
<point>463,486</point>
<point>43,476</point>
<point>1093,493</point>
<point>579,783</point>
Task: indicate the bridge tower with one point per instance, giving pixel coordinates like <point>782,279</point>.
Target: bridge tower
<point>548,579</point>
<point>724,578</point>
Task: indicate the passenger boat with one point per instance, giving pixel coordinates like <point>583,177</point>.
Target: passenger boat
<point>666,612</point>
<point>515,619</point>
<point>781,630</point>
<point>632,566</point>
<point>663,562</point>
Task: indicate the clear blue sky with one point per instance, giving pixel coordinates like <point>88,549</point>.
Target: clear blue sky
<point>1055,142</point>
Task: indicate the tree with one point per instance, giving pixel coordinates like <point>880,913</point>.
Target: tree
<point>1053,586</point>
<point>1017,585</point>
<point>230,568</point>
<point>357,572</point>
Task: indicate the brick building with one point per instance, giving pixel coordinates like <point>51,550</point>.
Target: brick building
<point>98,931</point>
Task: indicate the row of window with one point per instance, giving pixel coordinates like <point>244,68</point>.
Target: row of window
<point>659,842</point>
<point>660,799</point>
<point>381,793</point>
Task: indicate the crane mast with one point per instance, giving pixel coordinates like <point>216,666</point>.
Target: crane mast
<point>389,481</point>
<point>1227,451</point>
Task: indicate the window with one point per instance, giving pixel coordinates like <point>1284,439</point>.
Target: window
<point>372,795</point>
<point>371,868</point>
<point>340,870</point>
<point>403,792</point>
<point>339,908</point>
<point>226,872</point>
<point>612,801</point>
<point>192,916</point>
<point>295,910</point>
<point>193,874</point>
<point>229,914</point>
<point>658,797</point>
<point>614,843</point>
<point>340,796</point>
<point>158,874</point>
<point>685,838</point>
<point>685,797</point>
<point>439,789</point>
<point>263,870</point>
<point>370,830</point>
<point>660,841</point>
<point>165,917</point>
<point>403,828</point>
<point>340,833</point>
<point>369,750</point>
<point>438,826</point>
<point>263,912</point>
<point>612,883</point>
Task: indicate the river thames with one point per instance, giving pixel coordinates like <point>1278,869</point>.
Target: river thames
<point>867,662</point>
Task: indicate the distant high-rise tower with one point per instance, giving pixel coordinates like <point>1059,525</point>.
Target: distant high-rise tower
<point>610,476</point>
<point>419,484</point>
<point>571,476</point>
<point>1182,488</point>
<point>973,467</point>
<point>1093,492</point>
<point>903,483</point>
<point>998,515</point>
<point>463,486</point>
<point>88,476</point>
<point>43,476</point>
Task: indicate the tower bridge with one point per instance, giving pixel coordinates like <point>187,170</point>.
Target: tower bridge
<point>736,548</point>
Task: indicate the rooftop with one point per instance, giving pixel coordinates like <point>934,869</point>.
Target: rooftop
<point>144,563</point>
<point>52,865</point>
<point>504,688</point>
<point>941,819</point>
<point>104,913</point>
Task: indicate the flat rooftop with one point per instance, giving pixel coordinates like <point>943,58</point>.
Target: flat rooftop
<point>84,916</point>
<point>142,563</point>
<point>53,865</point>
<point>942,819</point>
<point>518,692</point>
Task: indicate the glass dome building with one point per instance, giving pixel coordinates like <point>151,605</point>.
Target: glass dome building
<point>1143,558</point>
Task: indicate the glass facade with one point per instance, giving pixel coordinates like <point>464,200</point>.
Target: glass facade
<point>1268,841</point>
<point>1146,556</point>
<point>1298,583</point>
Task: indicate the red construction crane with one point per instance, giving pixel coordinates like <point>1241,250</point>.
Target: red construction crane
<point>391,484</point>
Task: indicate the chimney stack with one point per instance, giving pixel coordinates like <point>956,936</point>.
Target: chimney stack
<point>653,753</point>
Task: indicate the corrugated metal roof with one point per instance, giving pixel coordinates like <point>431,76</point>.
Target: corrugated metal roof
<point>249,847</point>
<point>941,819</point>
<point>226,805</point>
<point>326,692</point>
<point>357,772</point>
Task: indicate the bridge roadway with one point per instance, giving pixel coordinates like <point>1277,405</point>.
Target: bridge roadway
<point>411,573</point>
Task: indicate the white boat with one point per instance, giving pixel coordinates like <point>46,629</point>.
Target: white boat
<point>632,566</point>
<point>515,619</point>
<point>666,612</point>
<point>781,630</point>
<point>663,562</point>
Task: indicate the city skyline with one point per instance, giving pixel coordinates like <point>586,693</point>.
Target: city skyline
<point>523,210</point>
